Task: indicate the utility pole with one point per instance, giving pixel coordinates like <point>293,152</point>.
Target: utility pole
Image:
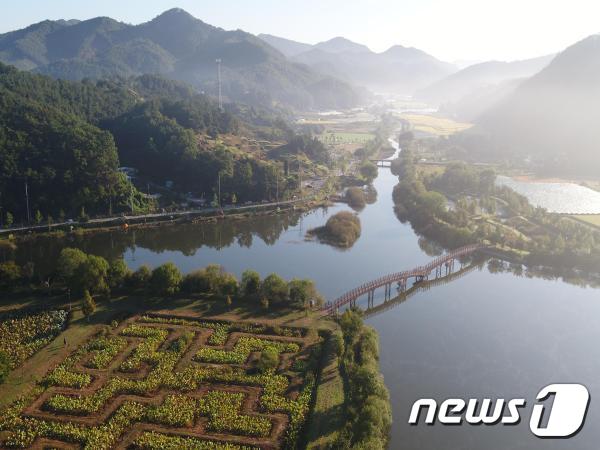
<point>131,198</point>
<point>219,61</point>
<point>219,189</point>
<point>27,203</point>
<point>277,186</point>
<point>300,174</point>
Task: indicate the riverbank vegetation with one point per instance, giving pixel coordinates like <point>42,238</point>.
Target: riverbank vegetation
<point>341,230</point>
<point>367,404</point>
<point>462,205</point>
<point>80,275</point>
<point>355,197</point>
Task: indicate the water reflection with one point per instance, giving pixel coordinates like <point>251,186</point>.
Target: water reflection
<point>487,334</point>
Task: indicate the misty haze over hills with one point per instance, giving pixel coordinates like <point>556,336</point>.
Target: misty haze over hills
<point>399,69</point>
<point>179,46</point>
<point>483,83</point>
<point>553,116</point>
<point>541,107</point>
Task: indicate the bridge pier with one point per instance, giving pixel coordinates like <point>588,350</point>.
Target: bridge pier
<point>402,285</point>
<point>388,291</point>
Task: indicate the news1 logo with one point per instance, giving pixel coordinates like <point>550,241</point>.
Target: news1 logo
<point>564,418</point>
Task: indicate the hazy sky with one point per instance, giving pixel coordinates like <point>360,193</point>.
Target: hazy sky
<point>449,29</point>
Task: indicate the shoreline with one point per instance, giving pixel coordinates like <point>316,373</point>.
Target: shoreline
<point>132,222</point>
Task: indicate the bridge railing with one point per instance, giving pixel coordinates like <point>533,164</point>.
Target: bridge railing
<point>396,277</point>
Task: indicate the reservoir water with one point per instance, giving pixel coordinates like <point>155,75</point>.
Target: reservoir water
<point>563,198</point>
<point>483,335</point>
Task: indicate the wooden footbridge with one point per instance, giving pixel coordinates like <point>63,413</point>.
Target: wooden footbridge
<point>420,273</point>
<point>402,297</point>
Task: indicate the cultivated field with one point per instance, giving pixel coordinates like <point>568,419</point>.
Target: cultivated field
<point>590,219</point>
<point>332,137</point>
<point>438,126</point>
<point>159,381</point>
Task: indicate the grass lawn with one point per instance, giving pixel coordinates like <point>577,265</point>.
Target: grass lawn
<point>328,415</point>
<point>438,126</point>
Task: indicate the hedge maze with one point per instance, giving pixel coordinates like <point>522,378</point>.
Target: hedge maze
<point>157,382</point>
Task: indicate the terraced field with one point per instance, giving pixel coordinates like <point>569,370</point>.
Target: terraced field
<point>155,382</point>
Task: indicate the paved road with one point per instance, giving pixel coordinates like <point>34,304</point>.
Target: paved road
<point>154,216</point>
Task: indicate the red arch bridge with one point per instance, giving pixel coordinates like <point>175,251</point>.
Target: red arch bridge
<point>439,265</point>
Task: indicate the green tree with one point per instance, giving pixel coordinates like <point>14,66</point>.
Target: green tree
<point>92,275</point>
<point>303,292</point>
<point>117,273</point>
<point>140,279</point>
<point>88,305</point>
<point>355,197</point>
<point>351,324</point>
<point>4,366</point>
<point>275,289</point>
<point>227,285</point>
<point>368,170</point>
<point>166,279</point>
<point>68,264</point>
<point>250,286</point>
<point>38,217</point>
<point>337,344</point>
<point>196,282</point>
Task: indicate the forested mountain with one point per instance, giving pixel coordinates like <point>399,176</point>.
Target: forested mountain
<point>399,69</point>
<point>552,118</point>
<point>178,46</point>
<point>66,140</point>
<point>478,78</point>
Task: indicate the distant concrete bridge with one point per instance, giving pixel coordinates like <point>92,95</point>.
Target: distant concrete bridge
<point>382,162</point>
<point>420,273</point>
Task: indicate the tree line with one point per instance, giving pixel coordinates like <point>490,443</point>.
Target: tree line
<point>367,402</point>
<point>85,276</point>
<point>61,143</point>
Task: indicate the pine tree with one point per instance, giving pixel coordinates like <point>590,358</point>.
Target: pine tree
<point>89,306</point>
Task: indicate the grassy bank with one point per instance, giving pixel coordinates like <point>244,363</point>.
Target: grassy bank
<point>328,416</point>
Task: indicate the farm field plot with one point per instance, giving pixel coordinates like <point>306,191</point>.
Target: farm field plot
<point>438,126</point>
<point>158,381</point>
<point>590,219</point>
<point>332,137</point>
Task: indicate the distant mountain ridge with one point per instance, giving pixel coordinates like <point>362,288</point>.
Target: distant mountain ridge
<point>553,116</point>
<point>478,76</point>
<point>398,69</point>
<point>179,46</point>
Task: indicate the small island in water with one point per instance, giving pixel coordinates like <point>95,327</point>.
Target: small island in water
<point>341,230</point>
